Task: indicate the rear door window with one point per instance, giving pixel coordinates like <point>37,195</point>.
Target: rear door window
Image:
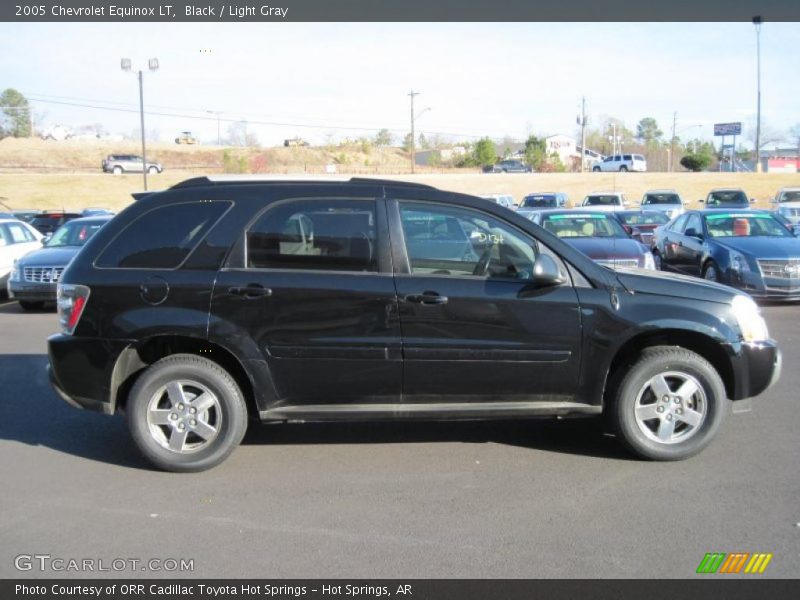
<point>162,238</point>
<point>315,234</point>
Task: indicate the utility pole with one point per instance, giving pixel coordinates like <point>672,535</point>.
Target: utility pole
<point>757,23</point>
<point>672,142</point>
<point>413,140</point>
<point>582,123</point>
<point>141,116</point>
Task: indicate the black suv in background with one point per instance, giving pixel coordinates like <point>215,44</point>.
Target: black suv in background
<point>217,300</point>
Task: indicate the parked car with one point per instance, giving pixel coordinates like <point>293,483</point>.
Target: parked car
<point>667,201</point>
<point>295,143</point>
<point>186,137</point>
<point>35,275</point>
<point>747,249</point>
<point>128,163</point>
<point>787,204</point>
<point>622,162</point>
<point>727,198</point>
<point>506,200</point>
<point>16,239</point>
<point>640,224</point>
<point>545,200</point>
<point>216,300</point>
<point>606,201</point>
<point>48,221</point>
<point>509,166</point>
<point>96,211</point>
<point>598,235</point>
<point>25,214</point>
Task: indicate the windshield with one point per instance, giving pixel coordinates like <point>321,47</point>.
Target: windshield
<point>74,233</point>
<point>652,218</point>
<point>583,225</point>
<point>728,198</point>
<point>793,196</point>
<point>602,200</point>
<point>661,199</point>
<point>745,225</point>
<point>543,201</point>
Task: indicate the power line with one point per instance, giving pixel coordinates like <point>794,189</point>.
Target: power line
<point>97,106</point>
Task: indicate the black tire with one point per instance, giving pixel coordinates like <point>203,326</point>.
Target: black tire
<point>230,413</point>
<point>152,170</point>
<point>711,271</point>
<point>623,169</point>
<point>117,170</point>
<point>596,169</point>
<point>657,260</point>
<point>29,305</point>
<point>630,381</point>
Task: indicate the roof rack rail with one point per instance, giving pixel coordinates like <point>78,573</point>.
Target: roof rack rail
<point>244,179</point>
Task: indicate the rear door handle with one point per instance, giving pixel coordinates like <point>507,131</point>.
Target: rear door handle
<point>426,298</point>
<point>250,291</point>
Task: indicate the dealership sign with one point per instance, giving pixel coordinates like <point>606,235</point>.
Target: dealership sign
<point>727,128</point>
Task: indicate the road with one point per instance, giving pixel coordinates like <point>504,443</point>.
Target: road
<point>487,500</point>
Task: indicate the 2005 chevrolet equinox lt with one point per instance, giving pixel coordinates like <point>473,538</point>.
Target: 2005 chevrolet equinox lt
<point>220,301</point>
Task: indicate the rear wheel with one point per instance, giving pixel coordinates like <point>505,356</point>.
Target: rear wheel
<point>596,169</point>
<point>117,170</point>
<point>623,168</point>
<point>152,170</point>
<point>186,413</point>
<point>668,405</point>
<point>28,305</point>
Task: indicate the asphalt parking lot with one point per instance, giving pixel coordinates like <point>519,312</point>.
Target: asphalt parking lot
<point>487,500</point>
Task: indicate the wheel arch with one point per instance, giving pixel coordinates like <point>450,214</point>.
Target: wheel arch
<point>700,343</point>
<point>138,356</point>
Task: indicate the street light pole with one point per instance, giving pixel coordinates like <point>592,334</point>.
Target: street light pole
<point>757,22</point>
<point>152,64</point>
<point>413,140</point>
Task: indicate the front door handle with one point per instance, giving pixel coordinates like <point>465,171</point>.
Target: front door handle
<point>250,291</point>
<point>426,298</point>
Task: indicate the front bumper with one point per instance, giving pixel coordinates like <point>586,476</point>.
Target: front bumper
<point>756,367</point>
<point>32,292</point>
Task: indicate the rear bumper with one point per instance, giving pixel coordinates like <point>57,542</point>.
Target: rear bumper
<point>81,369</point>
<point>756,367</point>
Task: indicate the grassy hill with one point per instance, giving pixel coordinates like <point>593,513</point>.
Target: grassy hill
<point>38,174</point>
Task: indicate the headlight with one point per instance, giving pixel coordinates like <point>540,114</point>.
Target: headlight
<point>748,317</point>
<point>14,272</point>
<point>649,263</point>
<point>739,262</point>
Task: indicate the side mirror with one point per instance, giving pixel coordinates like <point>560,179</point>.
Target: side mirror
<point>628,229</point>
<point>752,200</point>
<point>701,201</point>
<point>546,272</point>
<point>46,238</point>
<point>692,232</point>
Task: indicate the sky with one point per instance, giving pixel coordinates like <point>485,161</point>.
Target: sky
<point>326,81</point>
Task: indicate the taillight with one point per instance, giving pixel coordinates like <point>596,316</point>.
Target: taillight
<point>71,300</point>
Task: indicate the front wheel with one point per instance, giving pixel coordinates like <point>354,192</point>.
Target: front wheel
<point>596,169</point>
<point>657,261</point>
<point>711,271</point>
<point>623,169</point>
<point>186,413</point>
<point>668,405</point>
<point>152,170</point>
<point>117,170</point>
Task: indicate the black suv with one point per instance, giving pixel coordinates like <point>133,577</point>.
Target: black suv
<point>215,300</point>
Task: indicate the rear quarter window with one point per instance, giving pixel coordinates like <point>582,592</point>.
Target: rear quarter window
<point>162,238</point>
